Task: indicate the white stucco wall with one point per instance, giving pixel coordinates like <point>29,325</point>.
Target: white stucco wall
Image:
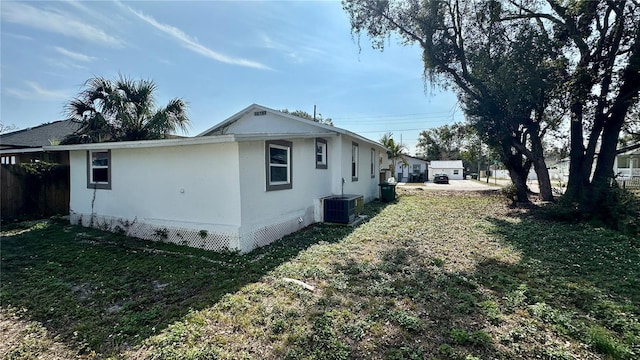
<point>366,185</point>
<point>214,194</point>
<point>180,187</point>
<point>449,172</point>
<point>279,212</point>
<point>405,170</point>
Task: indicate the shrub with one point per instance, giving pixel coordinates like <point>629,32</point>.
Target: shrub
<point>618,209</point>
<point>510,192</point>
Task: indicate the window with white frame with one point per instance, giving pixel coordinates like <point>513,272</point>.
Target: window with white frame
<point>455,172</point>
<point>373,163</point>
<point>354,162</point>
<point>9,160</point>
<point>278,165</point>
<point>321,153</point>
<point>99,169</point>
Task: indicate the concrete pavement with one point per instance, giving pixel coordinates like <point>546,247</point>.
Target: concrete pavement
<point>470,185</point>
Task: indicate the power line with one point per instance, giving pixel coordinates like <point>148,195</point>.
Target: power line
<point>378,131</point>
<point>367,117</point>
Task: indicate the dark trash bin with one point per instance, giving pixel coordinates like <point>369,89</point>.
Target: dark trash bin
<point>387,191</point>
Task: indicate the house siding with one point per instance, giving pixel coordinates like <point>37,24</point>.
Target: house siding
<point>214,195</point>
<point>155,190</point>
<point>269,215</point>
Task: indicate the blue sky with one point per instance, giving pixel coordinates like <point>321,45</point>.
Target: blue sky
<point>220,56</point>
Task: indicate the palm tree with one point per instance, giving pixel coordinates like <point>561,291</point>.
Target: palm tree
<point>121,110</point>
<point>395,151</point>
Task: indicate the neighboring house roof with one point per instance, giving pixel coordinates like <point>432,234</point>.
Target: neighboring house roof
<point>222,127</point>
<point>38,136</point>
<point>446,164</point>
<point>628,150</point>
<point>415,158</point>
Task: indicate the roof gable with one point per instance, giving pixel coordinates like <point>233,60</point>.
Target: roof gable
<point>258,119</point>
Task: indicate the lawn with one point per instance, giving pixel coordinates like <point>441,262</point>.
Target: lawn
<point>434,275</point>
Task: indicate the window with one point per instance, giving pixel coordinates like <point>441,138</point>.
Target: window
<point>321,153</point>
<point>278,162</point>
<point>99,169</point>
<point>354,162</point>
<point>416,169</point>
<point>373,163</point>
<point>455,172</point>
<point>9,160</point>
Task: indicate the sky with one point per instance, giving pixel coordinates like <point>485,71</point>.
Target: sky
<point>220,57</point>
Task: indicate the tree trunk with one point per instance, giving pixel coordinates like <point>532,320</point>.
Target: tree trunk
<point>576,184</point>
<point>540,166</point>
<point>544,182</point>
<point>517,172</point>
<point>520,181</point>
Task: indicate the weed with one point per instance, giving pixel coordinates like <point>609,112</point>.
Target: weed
<point>323,340</point>
<point>405,352</point>
<point>459,336</point>
<point>161,234</point>
<point>601,339</point>
<point>515,298</point>
<point>477,338</point>
<point>407,321</point>
<point>491,309</point>
<point>437,262</point>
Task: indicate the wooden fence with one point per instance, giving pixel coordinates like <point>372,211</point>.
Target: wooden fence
<point>31,191</point>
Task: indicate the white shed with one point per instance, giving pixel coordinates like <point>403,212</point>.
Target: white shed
<point>453,168</point>
<point>244,183</point>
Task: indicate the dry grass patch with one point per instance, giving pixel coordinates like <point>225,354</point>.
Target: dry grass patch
<point>434,275</point>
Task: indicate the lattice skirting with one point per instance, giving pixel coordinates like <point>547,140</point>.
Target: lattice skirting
<point>268,234</point>
<point>203,239</point>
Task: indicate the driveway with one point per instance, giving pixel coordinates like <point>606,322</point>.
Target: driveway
<point>457,185</point>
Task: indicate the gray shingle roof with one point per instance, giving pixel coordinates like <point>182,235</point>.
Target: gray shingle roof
<point>38,136</point>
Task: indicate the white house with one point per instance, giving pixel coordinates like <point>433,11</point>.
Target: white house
<point>412,169</point>
<point>244,183</point>
<point>453,168</point>
<point>627,162</point>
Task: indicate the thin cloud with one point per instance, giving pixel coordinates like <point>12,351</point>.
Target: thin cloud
<point>74,55</point>
<point>193,45</point>
<point>36,92</point>
<point>298,52</point>
<point>55,21</point>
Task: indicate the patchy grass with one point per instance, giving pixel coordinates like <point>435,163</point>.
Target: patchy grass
<point>434,275</point>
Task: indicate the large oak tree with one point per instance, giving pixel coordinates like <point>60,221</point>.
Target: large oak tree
<point>490,63</point>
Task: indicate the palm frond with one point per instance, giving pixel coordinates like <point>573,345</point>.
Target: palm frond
<point>123,109</point>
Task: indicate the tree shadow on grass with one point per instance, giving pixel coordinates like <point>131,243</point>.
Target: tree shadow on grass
<point>582,282</point>
<point>101,292</point>
<point>403,307</point>
<point>573,293</point>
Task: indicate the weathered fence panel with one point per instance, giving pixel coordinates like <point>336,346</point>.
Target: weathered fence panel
<point>33,191</point>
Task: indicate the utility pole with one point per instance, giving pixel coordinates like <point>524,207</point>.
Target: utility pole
<point>314,112</point>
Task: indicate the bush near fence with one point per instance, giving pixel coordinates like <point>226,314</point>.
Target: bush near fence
<point>34,190</point>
